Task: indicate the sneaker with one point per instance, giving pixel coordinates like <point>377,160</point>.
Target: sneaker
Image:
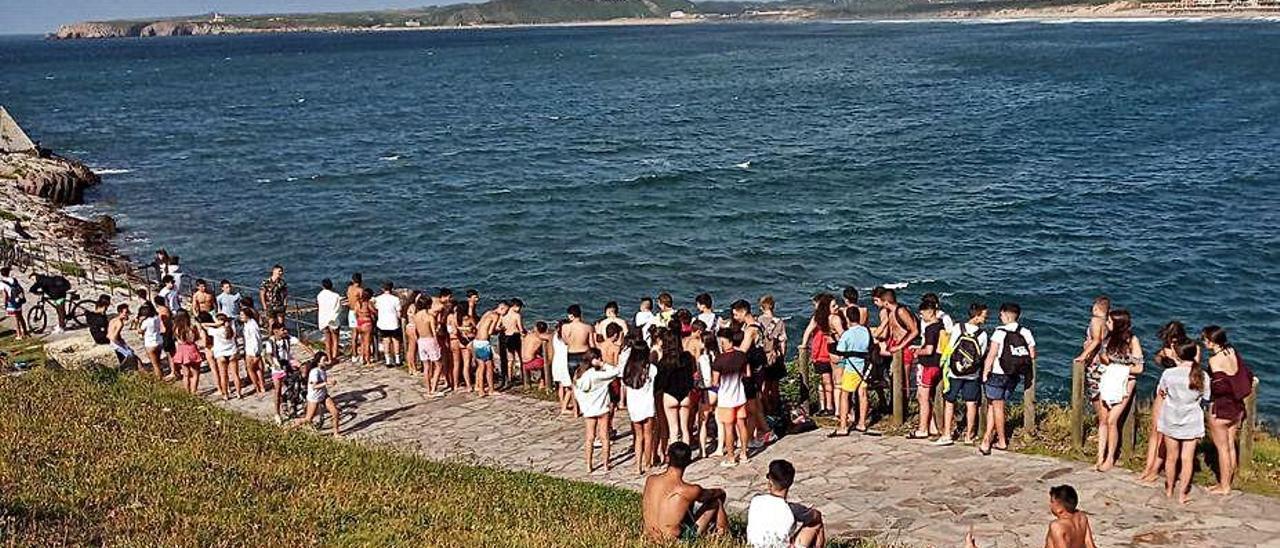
<point>728,464</point>
<point>944,441</point>
<point>597,444</point>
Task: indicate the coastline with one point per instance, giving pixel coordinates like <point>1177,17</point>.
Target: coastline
<point>1115,12</point>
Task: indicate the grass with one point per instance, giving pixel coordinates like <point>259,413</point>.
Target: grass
<point>29,350</point>
<point>68,269</point>
<point>5,215</point>
<point>107,458</point>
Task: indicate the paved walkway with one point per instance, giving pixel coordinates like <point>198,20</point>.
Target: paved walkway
<point>891,488</point>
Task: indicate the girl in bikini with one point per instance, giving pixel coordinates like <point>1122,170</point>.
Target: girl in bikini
<point>364,325</point>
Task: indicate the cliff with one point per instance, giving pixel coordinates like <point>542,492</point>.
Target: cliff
<point>39,172</point>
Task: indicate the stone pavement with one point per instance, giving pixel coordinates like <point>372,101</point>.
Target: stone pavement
<point>890,488</point>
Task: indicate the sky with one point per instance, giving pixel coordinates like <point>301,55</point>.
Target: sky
<point>44,16</point>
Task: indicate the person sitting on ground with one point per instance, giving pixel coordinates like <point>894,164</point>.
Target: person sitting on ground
<point>772,522</point>
<point>1070,527</point>
<point>669,510</point>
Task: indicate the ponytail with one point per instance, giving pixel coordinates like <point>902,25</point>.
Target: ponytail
<point>1189,352</point>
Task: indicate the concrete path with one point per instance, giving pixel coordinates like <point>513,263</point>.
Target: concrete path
<point>890,488</point>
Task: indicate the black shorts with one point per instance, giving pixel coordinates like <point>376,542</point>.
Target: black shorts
<point>575,360</point>
<point>822,368</point>
<point>776,371</point>
<point>751,388</point>
<point>390,333</point>
<point>168,344</point>
<point>511,342</point>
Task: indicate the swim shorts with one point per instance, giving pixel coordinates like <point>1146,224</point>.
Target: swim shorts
<point>575,360</point>
<point>731,414</point>
<point>483,350</point>
<point>850,380</point>
<point>428,349</point>
<point>390,333</point>
<point>928,376</point>
<point>822,368</point>
<point>534,364</point>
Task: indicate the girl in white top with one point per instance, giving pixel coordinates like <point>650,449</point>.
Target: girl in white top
<point>591,389</point>
<point>252,349</point>
<point>1183,387</point>
<point>150,327</point>
<point>224,353</point>
<point>637,378</point>
<point>318,384</point>
<point>560,371</point>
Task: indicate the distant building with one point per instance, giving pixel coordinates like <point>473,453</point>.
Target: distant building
<point>678,14</point>
<point>216,17</point>
<point>412,23</point>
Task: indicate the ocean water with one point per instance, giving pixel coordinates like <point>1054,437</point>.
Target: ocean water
<point>1026,162</point>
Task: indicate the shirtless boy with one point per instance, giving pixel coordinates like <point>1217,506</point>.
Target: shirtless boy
<point>512,330</point>
<point>355,290</point>
<point>115,335</point>
<point>611,318</point>
<point>578,337</point>
<point>669,502</point>
<point>531,351</point>
<point>1070,527</point>
<point>483,349</point>
<point>202,299</point>
<point>424,325</point>
<point>897,327</point>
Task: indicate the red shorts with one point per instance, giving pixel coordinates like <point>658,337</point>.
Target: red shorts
<point>534,364</point>
<point>731,414</point>
<point>928,376</point>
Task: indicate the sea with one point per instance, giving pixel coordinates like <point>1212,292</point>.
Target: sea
<point>1040,163</point>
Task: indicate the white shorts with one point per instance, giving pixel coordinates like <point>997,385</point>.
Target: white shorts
<point>351,319</point>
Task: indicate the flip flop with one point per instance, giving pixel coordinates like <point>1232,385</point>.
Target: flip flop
<point>986,453</point>
<point>837,434</point>
<point>917,436</point>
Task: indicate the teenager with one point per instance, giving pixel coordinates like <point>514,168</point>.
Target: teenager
<point>1231,382</point>
<point>228,301</point>
<point>150,327</point>
<point>169,292</point>
<point>388,308</point>
<point>823,329</point>
<point>774,522</point>
<point>223,347</point>
<point>355,291</point>
<point>850,297</point>
<point>165,315</point>
<point>752,346</point>
<point>328,307</point>
<point>705,313</point>
<point>638,376</point>
<point>115,335</point>
<point>591,389</point>
<point>1009,356</point>
<point>202,300</point>
<point>1070,527</point>
<point>775,348</point>
<point>14,299</point>
<point>365,313</point>
<point>318,385</point>
<point>483,349</point>
<point>55,288</point>
<point>1182,388</point>
<point>578,338</point>
<point>675,509</point>
<point>1172,336</point>
<point>424,323</point>
<point>186,354</point>
<point>928,367</point>
<point>1122,356</point>
<point>464,318</point>
<point>611,318</point>
<point>277,350</point>
<point>512,333</point>
<point>273,293</point>
<point>644,317</point>
<point>675,381</point>
<point>531,357</point>
<point>964,363</point>
<point>854,349</point>
<point>252,333</point>
<point>727,374</point>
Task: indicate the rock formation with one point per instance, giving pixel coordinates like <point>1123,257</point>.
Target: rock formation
<point>39,172</point>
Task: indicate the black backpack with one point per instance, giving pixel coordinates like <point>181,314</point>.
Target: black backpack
<point>966,354</point>
<point>1015,357</point>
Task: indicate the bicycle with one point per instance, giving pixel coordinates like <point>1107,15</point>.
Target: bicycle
<point>77,314</point>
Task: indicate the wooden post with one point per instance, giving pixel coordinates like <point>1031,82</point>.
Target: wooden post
<point>1248,427</point>
<point>806,373</point>
<point>1029,400</point>
<point>899,385</point>
<point>1128,429</point>
<point>939,407</point>
<point>1077,405</point>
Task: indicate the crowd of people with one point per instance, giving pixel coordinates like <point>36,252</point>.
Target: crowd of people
<point>690,380</point>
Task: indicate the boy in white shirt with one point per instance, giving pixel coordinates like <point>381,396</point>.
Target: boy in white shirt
<point>388,307</point>
<point>328,306</point>
<point>1004,368</point>
<point>772,522</point>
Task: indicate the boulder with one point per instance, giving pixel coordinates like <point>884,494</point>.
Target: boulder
<point>55,178</point>
<point>78,351</point>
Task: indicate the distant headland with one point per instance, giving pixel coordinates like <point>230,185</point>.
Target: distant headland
<point>510,13</point>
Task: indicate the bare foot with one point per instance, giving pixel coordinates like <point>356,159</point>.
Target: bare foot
<point>1106,466</point>
<point>1184,498</point>
<point>1168,492</point>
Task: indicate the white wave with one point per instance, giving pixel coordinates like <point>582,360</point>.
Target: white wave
<point>821,211</point>
<point>264,180</point>
<point>111,171</point>
<point>390,158</point>
<point>896,285</point>
<point>291,179</point>
<point>744,165</point>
